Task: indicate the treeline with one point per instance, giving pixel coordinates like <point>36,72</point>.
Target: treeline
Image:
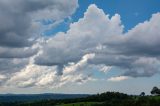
<point>106,99</point>
<point>93,98</point>
<point>135,101</point>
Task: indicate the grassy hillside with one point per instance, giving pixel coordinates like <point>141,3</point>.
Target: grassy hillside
<point>131,101</point>
<point>81,104</point>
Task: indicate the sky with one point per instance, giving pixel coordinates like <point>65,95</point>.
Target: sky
<point>79,46</point>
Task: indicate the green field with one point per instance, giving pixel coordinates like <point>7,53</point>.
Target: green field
<point>81,104</point>
<point>155,98</point>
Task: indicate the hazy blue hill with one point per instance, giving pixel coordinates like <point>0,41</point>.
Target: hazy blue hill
<point>36,97</point>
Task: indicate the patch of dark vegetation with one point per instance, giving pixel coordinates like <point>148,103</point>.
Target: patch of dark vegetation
<point>104,99</point>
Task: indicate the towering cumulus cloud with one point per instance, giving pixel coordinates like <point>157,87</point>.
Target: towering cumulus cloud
<point>94,41</point>
<point>135,51</point>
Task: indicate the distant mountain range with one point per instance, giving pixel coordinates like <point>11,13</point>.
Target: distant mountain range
<point>36,97</point>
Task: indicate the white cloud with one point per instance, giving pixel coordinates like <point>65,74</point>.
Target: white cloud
<point>80,65</point>
<point>82,38</point>
<point>104,68</point>
<point>2,77</point>
<point>119,78</point>
<point>44,76</point>
<point>33,75</point>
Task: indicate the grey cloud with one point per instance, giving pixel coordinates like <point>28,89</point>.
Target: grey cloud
<point>142,40</point>
<point>17,52</point>
<point>8,66</point>
<point>18,36</point>
<point>17,18</point>
<point>144,66</point>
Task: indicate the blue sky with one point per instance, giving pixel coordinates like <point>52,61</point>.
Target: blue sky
<point>131,12</point>
<point>74,47</point>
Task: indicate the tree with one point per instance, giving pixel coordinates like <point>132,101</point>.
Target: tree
<point>155,91</point>
<point>142,94</point>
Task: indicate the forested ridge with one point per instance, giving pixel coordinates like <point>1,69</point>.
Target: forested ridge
<point>103,99</point>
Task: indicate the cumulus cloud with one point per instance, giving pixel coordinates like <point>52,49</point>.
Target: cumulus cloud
<point>144,66</point>
<point>94,41</point>
<point>17,52</point>
<point>20,31</point>
<point>82,38</point>
<point>42,76</point>
<point>81,64</point>
<point>19,27</point>
<point>17,17</point>
<point>97,33</point>
<point>19,23</point>
<point>32,75</point>
<point>8,66</point>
